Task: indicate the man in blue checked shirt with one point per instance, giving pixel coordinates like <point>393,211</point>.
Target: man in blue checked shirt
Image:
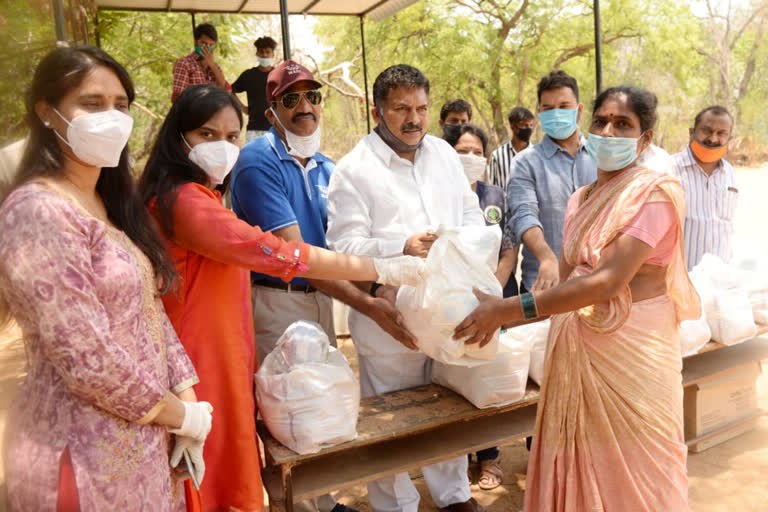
<point>709,185</point>
<point>543,177</point>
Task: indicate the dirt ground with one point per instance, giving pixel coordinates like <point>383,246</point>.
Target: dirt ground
<point>728,477</point>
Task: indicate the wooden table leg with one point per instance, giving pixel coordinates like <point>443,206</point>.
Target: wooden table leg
<point>287,487</point>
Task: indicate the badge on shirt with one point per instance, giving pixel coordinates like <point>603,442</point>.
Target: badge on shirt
<point>733,189</point>
<point>323,189</point>
<point>492,214</point>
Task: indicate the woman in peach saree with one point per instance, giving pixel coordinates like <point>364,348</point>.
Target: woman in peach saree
<point>609,427</point>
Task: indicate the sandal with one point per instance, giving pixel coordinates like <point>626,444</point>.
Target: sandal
<point>491,475</point>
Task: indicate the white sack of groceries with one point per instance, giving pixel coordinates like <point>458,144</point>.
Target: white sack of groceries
<point>694,334</point>
<point>535,334</point>
<point>724,299</point>
<point>460,259</point>
<point>494,383</point>
<point>755,278</point>
<point>306,391</point>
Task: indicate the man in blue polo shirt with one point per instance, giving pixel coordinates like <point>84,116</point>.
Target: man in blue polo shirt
<point>280,183</point>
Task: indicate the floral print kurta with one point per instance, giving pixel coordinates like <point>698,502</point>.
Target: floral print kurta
<point>101,353</point>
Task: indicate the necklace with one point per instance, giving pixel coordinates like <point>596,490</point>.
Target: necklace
<point>588,191</point>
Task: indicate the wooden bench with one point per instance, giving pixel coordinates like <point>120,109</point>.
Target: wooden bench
<point>407,429</point>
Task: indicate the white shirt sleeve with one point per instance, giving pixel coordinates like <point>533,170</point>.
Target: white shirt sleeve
<point>350,221</point>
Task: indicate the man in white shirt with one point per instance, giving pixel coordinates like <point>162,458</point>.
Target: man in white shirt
<point>383,199</point>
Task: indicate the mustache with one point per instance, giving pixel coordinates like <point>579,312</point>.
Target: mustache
<point>303,114</point>
<point>410,127</point>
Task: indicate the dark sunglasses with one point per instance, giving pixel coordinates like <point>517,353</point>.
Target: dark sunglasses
<point>292,99</point>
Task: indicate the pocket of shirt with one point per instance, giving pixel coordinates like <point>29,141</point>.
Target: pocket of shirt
<point>727,205</point>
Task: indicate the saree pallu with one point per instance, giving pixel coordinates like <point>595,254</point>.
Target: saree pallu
<point>609,426</point>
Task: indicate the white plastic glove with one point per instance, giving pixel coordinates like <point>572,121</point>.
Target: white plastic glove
<point>191,436</point>
<point>195,450</point>
<point>401,270</point>
<point>197,421</point>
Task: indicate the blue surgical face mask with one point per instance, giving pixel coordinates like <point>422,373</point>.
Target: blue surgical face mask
<point>612,153</point>
<point>559,123</point>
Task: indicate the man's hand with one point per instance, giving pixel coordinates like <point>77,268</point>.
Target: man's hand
<point>419,244</point>
<point>548,276</point>
<point>382,311</point>
<point>207,56</point>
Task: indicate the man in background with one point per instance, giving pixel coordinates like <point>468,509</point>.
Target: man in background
<point>709,185</point>
<point>521,122</point>
<point>199,67</point>
<point>455,113</point>
<point>253,82</point>
<point>542,178</point>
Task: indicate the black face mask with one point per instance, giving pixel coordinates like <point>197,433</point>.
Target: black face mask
<point>524,134</point>
<point>392,141</point>
<point>451,131</point>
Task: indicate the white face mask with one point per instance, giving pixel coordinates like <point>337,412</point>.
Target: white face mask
<point>300,146</point>
<point>265,62</point>
<point>98,138</point>
<point>215,158</point>
<point>474,166</point>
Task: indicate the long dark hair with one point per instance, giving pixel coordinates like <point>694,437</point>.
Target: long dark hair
<point>58,73</point>
<point>168,166</point>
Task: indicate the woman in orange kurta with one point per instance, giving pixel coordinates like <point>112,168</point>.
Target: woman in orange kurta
<point>609,425</point>
<point>213,252</point>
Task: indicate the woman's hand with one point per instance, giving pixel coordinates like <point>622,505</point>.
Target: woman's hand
<point>483,322</point>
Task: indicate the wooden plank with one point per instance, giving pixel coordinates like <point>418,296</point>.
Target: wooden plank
<point>400,413</point>
<point>727,432</point>
<point>705,366</point>
<point>370,462</point>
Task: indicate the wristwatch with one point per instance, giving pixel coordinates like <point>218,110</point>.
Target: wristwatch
<point>374,287</point>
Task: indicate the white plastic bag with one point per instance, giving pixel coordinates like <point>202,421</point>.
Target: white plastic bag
<point>733,321</point>
<point>535,334</point>
<point>694,334</point>
<point>493,384</point>
<point>460,259</point>
<point>724,300</point>
<point>306,391</point>
<point>754,275</point>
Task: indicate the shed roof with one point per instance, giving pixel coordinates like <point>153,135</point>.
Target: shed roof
<point>374,9</point>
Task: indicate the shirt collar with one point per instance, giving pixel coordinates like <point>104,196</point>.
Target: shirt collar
<point>282,151</point>
<point>550,147</point>
<point>386,153</point>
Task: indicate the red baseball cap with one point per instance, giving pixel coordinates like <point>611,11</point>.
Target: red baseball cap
<point>284,76</point>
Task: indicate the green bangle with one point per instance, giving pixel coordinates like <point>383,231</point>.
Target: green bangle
<point>528,305</point>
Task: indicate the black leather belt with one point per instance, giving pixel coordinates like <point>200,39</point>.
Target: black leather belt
<point>288,287</point>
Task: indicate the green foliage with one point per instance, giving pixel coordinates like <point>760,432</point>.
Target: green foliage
<point>26,35</point>
<point>466,50</point>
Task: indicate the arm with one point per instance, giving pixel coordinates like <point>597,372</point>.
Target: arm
<point>218,74</point>
<point>180,79</point>
<point>620,261</point>
<point>325,263</point>
<point>507,265</point>
<point>48,265</point>
<point>237,87</point>
<point>524,224</point>
<point>548,275</point>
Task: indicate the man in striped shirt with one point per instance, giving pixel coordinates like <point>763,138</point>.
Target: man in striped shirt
<point>709,185</point>
<point>521,123</point>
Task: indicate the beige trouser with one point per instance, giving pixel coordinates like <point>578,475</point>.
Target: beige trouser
<point>273,311</point>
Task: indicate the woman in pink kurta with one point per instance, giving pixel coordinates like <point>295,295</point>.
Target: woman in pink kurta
<point>81,270</point>
<point>609,426</point>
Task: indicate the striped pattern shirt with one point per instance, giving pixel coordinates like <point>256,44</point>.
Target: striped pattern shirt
<point>499,164</point>
<point>710,205</point>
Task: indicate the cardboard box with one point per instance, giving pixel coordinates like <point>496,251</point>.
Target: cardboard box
<point>719,406</point>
